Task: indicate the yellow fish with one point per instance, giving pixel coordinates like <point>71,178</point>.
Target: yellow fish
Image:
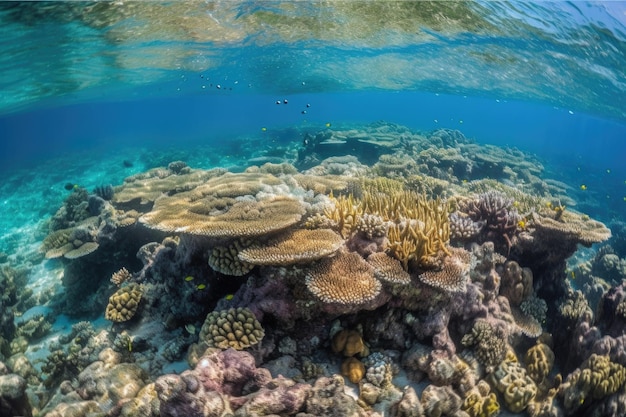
<point>189,278</point>
<point>200,286</point>
<point>583,187</point>
<point>572,274</point>
<point>229,297</point>
<point>521,224</point>
<point>327,124</point>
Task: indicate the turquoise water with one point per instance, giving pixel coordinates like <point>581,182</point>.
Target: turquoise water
<point>94,93</point>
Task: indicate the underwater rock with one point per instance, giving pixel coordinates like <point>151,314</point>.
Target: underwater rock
<point>13,398</point>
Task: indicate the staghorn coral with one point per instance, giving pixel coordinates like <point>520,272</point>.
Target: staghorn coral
<point>225,259</point>
<point>489,345</point>
<point>539,361</point>
<point>512,381</point>
<point>121,276</point>
<point>345,279</point>
<point>480,401</point>
<point>294,246</point>
<point>123,304</point>
<point>344,214</point>
<point>597,378</point>
<point>233,328</point>
<point>454,273</point>
<point>71,243</point>
<point>388,269</point>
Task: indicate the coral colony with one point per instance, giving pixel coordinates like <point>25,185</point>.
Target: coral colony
<point>432,283</point>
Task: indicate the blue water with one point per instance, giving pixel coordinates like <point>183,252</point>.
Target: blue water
<point>92,93</point>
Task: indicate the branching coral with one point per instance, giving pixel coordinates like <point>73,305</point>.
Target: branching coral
<point>497,212</point>
<point>121,276</point>
<point>236,328</point>
<point>345,279</point>
<point>489,345</point>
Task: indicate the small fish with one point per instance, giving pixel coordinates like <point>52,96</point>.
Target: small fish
<point>191,329</point>
<point>328,124</point>
<point>69,186</point>
<point>200,286</point>
<point>516,204</point>
<point>464,181</point>
<point>521,224</point>
<point>76,186</point>
<point>549,204</point>
<point>583,187</point>
<point>263,129</point>
<point>608,171</point>
<point>229,297</point>
<point>572,274</point>
<point>624,198</point>
<point>130,344</point>
<point>189,278</point>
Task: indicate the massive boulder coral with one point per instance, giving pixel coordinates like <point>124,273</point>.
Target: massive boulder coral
<point>123,304</point>
<point>233,328</point>
<point>512,381</point>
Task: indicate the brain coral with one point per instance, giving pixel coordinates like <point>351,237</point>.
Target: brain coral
<point>595,379</point>
<point>123,303</point>
<point>539,362</point>
<point>294,246</point>
<point>345,279</point>
<point>514,384</point>
<point>233,328</point>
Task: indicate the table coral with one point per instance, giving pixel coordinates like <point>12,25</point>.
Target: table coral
<point>454,272</point>
<point>294,246</point>
<point>345,279</point>
<point>235,328</point>
<point>388,269</point>
<point>123,304</point>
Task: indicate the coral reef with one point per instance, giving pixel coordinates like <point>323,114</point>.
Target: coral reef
<point>235,328</point>
<point>123,304</point>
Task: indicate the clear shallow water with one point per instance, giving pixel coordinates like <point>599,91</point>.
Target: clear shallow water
<point>86,87</point>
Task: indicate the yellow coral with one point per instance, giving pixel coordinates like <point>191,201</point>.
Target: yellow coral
<point>348,343</point>
<point>480,402</point>
<point>232,328</point>
<point>353,369</point>
<point>539,362</point>
<point>123,303</point>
